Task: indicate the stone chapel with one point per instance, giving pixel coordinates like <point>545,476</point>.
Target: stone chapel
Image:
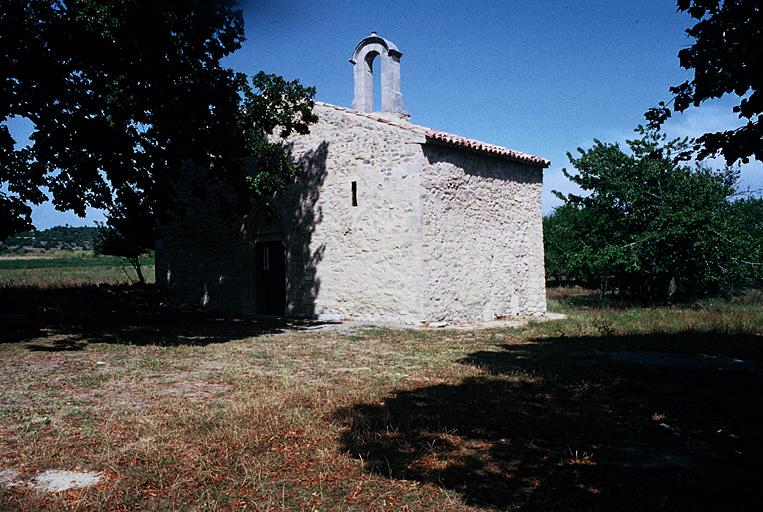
<point>391,223</point>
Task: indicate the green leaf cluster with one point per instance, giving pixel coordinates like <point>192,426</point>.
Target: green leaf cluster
<point>651,226</point>
<point>726,59</point>
<point>273,106</point>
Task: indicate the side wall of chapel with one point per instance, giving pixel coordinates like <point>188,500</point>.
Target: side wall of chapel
<point>198,256</point>
<point>482,236</point>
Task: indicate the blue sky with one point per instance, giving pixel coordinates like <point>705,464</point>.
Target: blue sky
<point>541,77</point>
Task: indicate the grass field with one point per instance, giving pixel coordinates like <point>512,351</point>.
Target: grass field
<point>68,268</point>
<point>615,408</point>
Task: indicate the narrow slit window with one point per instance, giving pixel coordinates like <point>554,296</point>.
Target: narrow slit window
<point>354,193</point>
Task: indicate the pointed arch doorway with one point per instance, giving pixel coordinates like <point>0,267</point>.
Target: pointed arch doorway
<point>266,264</point>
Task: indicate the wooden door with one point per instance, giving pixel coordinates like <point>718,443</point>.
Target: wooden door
<point>270,278</point>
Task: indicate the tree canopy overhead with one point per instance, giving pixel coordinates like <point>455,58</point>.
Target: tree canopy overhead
<point>122,94</point>
<point>726,59</point>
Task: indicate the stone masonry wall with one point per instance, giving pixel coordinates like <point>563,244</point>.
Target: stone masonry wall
<point>362,261</point>
<point>483,237</point>
<point>198,258</point>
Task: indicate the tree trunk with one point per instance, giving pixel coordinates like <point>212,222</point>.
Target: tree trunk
<point>136,265</point>
<point>602,287</point>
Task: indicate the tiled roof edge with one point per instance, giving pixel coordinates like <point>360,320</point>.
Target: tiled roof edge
<point>448,139</point>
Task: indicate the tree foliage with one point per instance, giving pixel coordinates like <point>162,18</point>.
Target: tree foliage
<point>123,95</point>
<point>274,104</point>
<point>651,227</point>
<point>563,244</point>
<point>726,59</point>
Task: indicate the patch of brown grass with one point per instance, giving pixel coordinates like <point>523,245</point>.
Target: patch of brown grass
<point>220,415</point>
<point>246,422</point>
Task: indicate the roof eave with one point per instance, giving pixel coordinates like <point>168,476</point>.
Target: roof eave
<point>436,137</point>
<point>496,152</point>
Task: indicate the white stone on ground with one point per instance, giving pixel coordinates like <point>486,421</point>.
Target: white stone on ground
<point>9,478</point>
<point>57,480</point>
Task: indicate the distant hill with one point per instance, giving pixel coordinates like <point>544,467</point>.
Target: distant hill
<point>54,239</point>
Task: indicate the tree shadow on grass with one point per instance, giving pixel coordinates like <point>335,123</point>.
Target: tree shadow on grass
<point>558,425</point>
<point>166,331</point>
<point>68,319</point>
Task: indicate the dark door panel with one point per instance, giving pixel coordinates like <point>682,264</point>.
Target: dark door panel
<point>270,278</point>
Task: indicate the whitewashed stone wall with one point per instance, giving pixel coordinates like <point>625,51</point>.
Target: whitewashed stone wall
<point>483,237</point>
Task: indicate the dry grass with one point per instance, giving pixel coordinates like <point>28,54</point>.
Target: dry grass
<point>247,421</point>
<point>223,415</point>
<point>67,269</point>
<point>55,277</point>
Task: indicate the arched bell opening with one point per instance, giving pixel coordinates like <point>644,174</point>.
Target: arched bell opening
<point>386,74</point>
<point>374,98</point>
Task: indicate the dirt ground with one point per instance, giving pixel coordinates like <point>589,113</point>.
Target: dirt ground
<point>596,412</point>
